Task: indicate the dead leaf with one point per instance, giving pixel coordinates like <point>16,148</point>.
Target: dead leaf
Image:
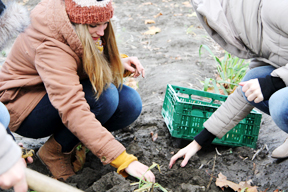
<point>222,182</point>
<point>149,21</point>
<point>252,189</point>
<point>154,137</point>
<point>245,184</point>
<point>144,42</point>
<point>147,3</point>
<point>158,15</point>
<point>192,15</point>
<point>131,82</point>
<point>187,4</point>
<point>152,30</point>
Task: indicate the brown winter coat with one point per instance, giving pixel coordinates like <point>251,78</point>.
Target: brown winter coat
<point>46,58</point>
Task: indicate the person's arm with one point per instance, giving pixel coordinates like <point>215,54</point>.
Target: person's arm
<point>10,152</point>
<point>12,165</point>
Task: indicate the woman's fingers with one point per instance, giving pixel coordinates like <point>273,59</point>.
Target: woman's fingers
<point>149,176</point>
<point>186,159</point>
<point>174,158</point>
<point>29,160</point>
<point>137,169</point>
<point>139,68</point>
<point>252,90</point>
<point>187,152</point>
<point>21,186</point>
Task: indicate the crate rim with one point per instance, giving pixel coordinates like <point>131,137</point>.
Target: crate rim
<point>254,111</point>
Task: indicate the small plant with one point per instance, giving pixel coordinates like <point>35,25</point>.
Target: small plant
<point>190,30</point>
<point>146,186</point>
<point>230,70</point>
<point>4,53</point>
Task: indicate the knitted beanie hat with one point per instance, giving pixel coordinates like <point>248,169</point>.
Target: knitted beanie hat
<point>89,11</point>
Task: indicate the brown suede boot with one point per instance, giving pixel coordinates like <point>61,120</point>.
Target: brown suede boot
<point>58,163</point>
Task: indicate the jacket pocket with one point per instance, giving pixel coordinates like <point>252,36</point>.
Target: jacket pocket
<point>9,95</point>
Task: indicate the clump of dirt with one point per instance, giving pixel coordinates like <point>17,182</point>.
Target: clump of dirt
<point>171,57</point>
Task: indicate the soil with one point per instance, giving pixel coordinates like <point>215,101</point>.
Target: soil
<point>171,57</point>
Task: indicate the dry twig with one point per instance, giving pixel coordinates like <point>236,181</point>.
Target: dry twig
<point>217,151</point>
<point>257,152</point>
<point>211,178</point>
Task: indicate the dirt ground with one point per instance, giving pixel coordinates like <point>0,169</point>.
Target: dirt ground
<point>171,57</point>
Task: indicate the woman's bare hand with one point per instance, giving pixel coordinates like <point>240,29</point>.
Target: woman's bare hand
<point>252,90</point>
<point>137,169</point>
<point>187,152</point>
<point>133,65</point>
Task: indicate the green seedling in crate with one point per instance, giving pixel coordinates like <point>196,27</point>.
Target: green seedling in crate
<point>146,186</point>
<point>230,70</point>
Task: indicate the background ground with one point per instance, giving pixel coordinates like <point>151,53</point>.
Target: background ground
<point>171,57</point>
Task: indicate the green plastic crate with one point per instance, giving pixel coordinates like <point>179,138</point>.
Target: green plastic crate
<point>185,110</point>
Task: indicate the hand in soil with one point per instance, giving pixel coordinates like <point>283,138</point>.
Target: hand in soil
<point>187,152</point>
<point>137,169</point>
<point>252,90</point>
<point>15,177</point>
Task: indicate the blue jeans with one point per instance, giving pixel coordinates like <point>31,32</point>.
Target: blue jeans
<point>4,115</point>
<point>277,105</point>
<point>5,118</point>
<point>115,109</point>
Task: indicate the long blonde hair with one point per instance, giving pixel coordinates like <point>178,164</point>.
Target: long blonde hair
<point>102,69</point>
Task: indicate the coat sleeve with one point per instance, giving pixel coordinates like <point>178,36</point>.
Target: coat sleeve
<point>10,152</point>
<point>57,67</point>
<point>229,114</point>
<point>281,72</point>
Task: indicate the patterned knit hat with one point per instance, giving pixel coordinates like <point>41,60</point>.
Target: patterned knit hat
<point>89,11</point>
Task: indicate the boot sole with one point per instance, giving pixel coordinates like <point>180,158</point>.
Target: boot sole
<point>279,157</point>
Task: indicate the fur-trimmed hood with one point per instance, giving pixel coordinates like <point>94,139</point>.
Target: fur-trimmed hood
<point>13,20</point>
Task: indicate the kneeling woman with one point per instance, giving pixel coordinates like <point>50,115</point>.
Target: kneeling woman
<point>64,78</point>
